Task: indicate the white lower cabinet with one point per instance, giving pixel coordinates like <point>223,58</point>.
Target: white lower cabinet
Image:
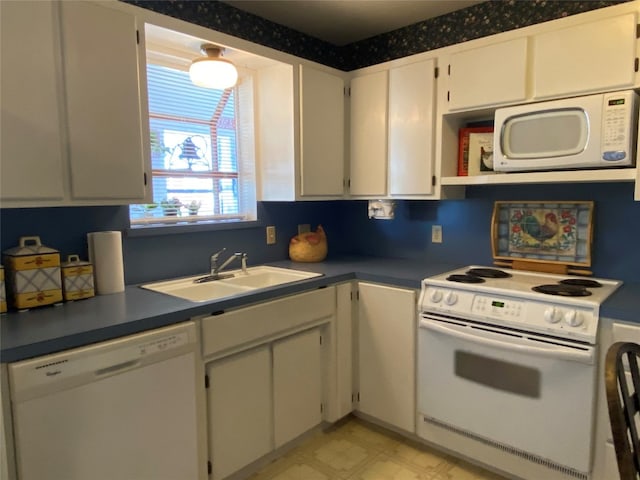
<point>297,385</point>
<point>269,374</point>
<point>260,399</point>
<point>239,406</point>
<point>386,354</point>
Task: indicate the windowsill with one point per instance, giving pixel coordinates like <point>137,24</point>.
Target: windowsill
<point>189,227</point>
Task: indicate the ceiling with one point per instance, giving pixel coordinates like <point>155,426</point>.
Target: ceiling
<point>341,22</point>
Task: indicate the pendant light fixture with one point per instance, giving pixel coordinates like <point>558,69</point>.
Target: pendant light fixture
<point>213,71</point>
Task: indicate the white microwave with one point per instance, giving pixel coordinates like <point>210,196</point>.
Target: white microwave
<point>594,131</point>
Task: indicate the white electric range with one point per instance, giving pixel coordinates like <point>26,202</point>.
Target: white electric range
<point>559,305</point>
<point>507,365</point>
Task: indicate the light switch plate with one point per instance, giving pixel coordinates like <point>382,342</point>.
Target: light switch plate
<point>271,235</point>
<point>436,234</point>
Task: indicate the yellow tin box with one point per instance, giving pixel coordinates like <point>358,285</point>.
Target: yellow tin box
<point>33,274</point>
<point>3,295</point>
<point>77,279</point>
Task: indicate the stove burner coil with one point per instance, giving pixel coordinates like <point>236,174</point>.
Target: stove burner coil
<point>581,282</point>
<point>562,290</point>
<point>465,278</point>
<point>488,273</point>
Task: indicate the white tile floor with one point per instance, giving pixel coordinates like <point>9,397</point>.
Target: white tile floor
<point>355,450</point>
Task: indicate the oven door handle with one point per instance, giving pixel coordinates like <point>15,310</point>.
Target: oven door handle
<point>551,351</point>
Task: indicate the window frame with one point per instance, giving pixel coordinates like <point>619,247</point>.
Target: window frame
<point>246,166</point>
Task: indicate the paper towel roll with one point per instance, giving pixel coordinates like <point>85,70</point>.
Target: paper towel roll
<point>105,253</point>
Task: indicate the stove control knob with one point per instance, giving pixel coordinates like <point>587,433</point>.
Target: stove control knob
<point>435,296</point>
<point>450,298</point>
<point>552,315</point>
<point>572,318</point>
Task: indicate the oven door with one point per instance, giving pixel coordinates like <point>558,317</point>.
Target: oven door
<point>517,390</point>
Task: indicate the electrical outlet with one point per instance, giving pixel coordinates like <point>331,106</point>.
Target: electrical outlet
<point>271,235</point>
<point>304,228</point>
<point>436,234</point>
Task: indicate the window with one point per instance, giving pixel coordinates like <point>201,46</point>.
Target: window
<point>201,151</point>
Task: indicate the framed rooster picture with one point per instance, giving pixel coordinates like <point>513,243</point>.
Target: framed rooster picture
<point>543,232</point>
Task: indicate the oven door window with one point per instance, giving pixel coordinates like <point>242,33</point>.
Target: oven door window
<point>498,374</point>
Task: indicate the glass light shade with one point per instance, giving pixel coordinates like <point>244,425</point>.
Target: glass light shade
<point>213,73</point>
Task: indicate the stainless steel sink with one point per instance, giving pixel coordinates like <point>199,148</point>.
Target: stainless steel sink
<point>240,283</point>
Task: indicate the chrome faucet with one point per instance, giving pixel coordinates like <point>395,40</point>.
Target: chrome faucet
<point>214,262</point>
<point>215,269</point>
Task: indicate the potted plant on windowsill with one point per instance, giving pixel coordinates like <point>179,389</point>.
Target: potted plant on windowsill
<point>193,207</point>
<point>171,207</point>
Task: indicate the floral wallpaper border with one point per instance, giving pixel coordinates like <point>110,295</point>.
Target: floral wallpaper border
<point>477,21</point>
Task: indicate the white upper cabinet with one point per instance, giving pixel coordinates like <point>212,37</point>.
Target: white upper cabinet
<point>321,133</point>
<point>490,75</point>
<point>411,124</point>
<point>368,159</point>
<point>585,58</point>
<point>103,102</point>
<point>31,166</point>
<point>72,124</point>
<point>316,168</point>
<point>562,58</point>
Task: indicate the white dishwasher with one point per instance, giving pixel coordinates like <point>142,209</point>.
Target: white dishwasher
<point>127,409</point>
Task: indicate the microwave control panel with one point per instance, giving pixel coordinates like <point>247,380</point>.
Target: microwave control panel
<point>617,135</point>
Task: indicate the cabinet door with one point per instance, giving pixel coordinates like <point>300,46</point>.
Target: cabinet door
<point>297,385</point>
<point>103,102</point>
<point>31,142</point>
<point>411,114</point>
<point>585,63</point>
<point>321,132</point>
<point>386,358</point>
<point>369,134</point>
<point>491,75</point>
<point>239,404</point>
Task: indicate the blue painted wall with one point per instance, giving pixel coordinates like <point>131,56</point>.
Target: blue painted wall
<point>466,223</point>
<point>164,256</point>
<point>467,226</point>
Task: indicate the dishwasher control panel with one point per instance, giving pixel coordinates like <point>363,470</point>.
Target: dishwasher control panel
<point>100,360</point>
<point>163,344</point>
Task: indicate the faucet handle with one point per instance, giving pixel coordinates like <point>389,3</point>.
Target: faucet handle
<point>215,256</point>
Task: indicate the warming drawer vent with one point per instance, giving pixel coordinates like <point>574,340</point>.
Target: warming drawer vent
<point>511,450</point>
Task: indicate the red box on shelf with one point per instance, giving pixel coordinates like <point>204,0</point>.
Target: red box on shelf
<point>463,147</point>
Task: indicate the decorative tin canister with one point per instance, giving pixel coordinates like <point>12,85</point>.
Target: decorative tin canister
<point>77,279</point>
<point>3,295</point>
<point>33,274</point>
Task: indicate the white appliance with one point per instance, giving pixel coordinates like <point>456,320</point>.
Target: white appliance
<point>123,409</point>
<point>507,373</point>
<point>592,131</point>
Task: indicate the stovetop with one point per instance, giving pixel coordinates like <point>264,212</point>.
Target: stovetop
<point>515,300</point>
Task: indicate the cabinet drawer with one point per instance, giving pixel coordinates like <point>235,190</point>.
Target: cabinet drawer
<point>265,320</point>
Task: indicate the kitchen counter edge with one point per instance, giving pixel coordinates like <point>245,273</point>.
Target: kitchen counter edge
<point>53,329</point>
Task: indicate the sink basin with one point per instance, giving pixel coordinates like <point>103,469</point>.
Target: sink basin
<point>263,277</point>
<point>255,279</point>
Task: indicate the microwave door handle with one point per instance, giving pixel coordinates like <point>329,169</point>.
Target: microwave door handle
<point>550,351</point>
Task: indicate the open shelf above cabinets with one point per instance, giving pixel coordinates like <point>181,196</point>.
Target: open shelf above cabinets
<point>448,154</point>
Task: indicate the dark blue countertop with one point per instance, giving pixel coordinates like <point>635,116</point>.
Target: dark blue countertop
<point>104,317</point>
